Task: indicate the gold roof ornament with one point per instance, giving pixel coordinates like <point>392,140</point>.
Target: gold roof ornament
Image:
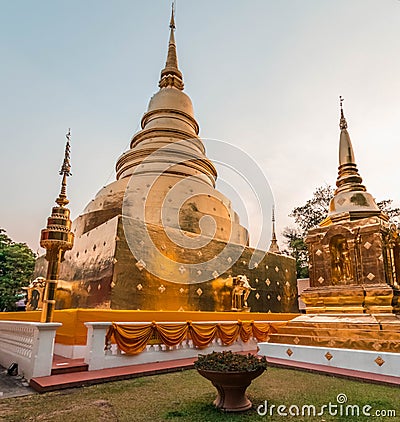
<point>57,236</point>
<point>274,247</point>
<point>65,172</point>
<point>351,200</point>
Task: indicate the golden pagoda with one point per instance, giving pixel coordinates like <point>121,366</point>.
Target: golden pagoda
<point>353,299</point>
<point>354,254</point>
<point>161,236</point>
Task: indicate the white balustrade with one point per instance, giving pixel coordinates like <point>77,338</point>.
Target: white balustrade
<point>30,345</point>
<point>100,355</point>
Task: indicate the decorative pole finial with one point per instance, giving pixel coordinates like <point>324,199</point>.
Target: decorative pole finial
<point>65,172</point>
<point>343,123</point>
<point>57,238</point>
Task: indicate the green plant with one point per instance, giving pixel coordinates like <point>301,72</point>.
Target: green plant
<point>227,361</point>
<point>17,262</point>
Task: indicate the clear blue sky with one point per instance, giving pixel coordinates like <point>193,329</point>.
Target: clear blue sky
<point>264,75</point>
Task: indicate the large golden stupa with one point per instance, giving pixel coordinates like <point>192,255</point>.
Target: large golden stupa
<point>162,237</point>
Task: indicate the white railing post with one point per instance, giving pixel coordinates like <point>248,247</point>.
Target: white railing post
<point>95,346</point>
<point>43,348</point>
<point>30,345</point>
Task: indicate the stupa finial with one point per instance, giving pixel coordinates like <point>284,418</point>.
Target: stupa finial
<point>351,199</point>
<point>274,247</point>
<point>273,223</point>
<point>171,76</point>
<point>65,172</point>
<point>172,21</point>
<point>343,123</point>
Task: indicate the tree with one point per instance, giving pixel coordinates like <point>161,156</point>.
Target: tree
<point>310,215</point>
<point>306,217</point>
<point>314,211</point>
<point>393,213</point>
<point>298,250</point>
<point>17,262</point>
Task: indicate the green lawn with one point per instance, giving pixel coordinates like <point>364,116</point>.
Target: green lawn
<point>186,396</point>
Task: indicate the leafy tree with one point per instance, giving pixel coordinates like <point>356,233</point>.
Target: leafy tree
<point>17,262</point>
<point>306,217</point>
<point>313,211</point>
<point>310,215</point>
<point>393,213</point>
<point>298,250</point>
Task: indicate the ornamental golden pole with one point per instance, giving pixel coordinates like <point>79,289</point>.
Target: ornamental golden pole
<point>57,238</point>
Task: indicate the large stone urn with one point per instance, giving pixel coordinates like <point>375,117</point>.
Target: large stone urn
<point>231,387</point>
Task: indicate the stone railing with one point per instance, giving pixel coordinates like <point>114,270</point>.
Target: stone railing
<point>30,345</point>
<point>101,354</point>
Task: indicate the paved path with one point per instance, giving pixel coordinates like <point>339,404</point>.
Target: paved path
<point>13,386</point>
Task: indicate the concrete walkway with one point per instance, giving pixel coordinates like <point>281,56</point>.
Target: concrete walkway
<point>13,386</point>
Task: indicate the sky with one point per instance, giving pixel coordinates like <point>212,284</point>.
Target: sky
<point>264,76</point>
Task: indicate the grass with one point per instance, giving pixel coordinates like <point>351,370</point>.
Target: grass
<point>186,396</point>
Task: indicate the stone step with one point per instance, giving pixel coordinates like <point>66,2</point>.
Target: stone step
<point>339,332</point>
<point>63,365</point>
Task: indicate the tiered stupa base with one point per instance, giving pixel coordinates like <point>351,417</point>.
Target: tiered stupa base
<point>368,343</point>
<point>356,298</point>
<point>380,332</point>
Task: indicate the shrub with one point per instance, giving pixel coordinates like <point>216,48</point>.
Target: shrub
<point>227,361</point>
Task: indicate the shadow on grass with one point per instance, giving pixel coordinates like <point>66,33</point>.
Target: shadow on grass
<point>200,412</point>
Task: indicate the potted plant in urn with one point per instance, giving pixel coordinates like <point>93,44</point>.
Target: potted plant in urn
<point>231,374</point>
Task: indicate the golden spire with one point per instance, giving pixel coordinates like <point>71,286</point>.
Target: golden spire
<point>65,172</point>
<point>274,247</point>
<point>351,200</point>
<point>171,76</point>
<point>343,123</point>
<point>348,179</point>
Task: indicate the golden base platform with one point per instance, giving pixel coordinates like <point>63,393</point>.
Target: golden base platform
<point>375,332</point>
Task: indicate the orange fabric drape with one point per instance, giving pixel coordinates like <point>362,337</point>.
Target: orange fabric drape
<point>171,334</point>
<point>261,331</point>
<point>130,339</point>
<point>202,334</point>
<point>133,339</point>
